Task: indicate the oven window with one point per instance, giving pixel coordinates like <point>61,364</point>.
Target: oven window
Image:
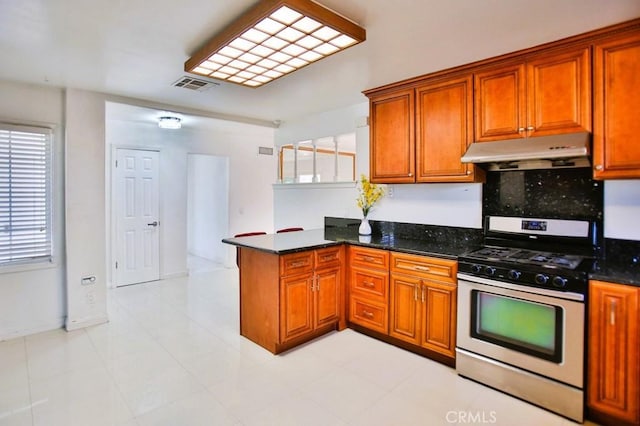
<point>525,326</point>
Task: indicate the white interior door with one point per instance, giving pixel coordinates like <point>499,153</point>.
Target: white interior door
<point>136,215</point>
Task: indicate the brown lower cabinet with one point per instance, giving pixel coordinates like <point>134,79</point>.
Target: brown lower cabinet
<point>423,302</point>
<point>613,378</point>
<point>286,300</point>
<point>404,299</point>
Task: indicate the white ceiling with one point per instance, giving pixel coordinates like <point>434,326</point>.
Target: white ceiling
<point>137,48</point>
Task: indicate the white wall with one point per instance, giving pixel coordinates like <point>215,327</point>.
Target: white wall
<point>207,206</point>
<point>85,208</point>
<point>622,209</point>
<point>250,176</point>
<point>34,300</point>
<point>433,204</point>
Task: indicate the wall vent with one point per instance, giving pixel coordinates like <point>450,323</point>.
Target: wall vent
<point>196,84</point>
<point>264,150</point>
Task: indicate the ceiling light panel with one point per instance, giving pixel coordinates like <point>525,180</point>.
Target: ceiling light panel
<point>272,39</point>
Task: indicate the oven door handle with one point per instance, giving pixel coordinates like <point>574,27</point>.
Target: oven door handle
<point>566,295</point>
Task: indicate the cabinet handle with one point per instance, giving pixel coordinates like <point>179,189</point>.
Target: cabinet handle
<point>368,284</point>
<point>367,314</point>
<point>317,282</point>
<point>421,268</point>
<point>367,258</point>
<point>415,293</point>
<point>423,291</point>
<point>297,264</point>
<point>599,167</point>
<point>530,128</point>
<point>612,313</point>
<point>328,257</point>
<point>520,129</point>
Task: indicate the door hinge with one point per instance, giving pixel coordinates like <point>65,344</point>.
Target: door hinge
<point>116,164</point>
<point>116,265</point>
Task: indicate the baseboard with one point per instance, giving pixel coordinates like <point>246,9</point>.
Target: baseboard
<point>32,330</point>
<point>175,275</point>
<point>84,322</point>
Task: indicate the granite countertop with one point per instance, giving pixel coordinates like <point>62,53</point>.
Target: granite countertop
<point>615,272</point>
<point>622,264</point>
<point>283,243</point>
<point>444,242</point>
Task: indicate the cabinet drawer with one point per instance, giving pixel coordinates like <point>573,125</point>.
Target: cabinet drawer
<point>367,314</point>
<point>427,267</point>
<point>369,258</point>
<point>369,283</point>
<point>327,257</point>
<point>296,263</point>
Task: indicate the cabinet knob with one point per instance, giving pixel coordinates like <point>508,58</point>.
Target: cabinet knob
<point>520,129</point>
<point>410,174</point>
<point>530,128</point>
<point>468,172</point>
<point>599,167</point>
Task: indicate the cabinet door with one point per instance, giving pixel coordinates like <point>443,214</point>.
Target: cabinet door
<point>613,366</point>
<point>405,302</point>
<point>616,136</point>
<point>500,104</point>
<point>439,319</point>
<point>392,155</point>
<point>327,296</point>
<point>559,93</point>
<point>444,130</point>
<point>296,306</point>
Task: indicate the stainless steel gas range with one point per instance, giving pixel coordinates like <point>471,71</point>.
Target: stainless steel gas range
<point>521,310</point>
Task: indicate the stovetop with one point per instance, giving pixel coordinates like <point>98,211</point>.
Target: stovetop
<point>563,272</point>
<point>537,252</point>
<point>530,257</point>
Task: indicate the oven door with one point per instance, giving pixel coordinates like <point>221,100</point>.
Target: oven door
<point>538,330</point>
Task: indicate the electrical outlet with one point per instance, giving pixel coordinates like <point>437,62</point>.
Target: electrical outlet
<point>88,280</point>
<point>390,191</point>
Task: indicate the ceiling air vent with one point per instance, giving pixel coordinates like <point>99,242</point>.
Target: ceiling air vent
<point>196,84</point>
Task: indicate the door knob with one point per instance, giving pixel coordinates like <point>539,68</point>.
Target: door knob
<point>154,223</point>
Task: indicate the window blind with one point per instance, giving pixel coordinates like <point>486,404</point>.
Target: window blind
<point>25,194</point>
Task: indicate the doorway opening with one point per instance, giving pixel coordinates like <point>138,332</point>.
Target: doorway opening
<point>207,211</point>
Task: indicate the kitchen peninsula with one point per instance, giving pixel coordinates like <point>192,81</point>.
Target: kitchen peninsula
<point>295,286</point>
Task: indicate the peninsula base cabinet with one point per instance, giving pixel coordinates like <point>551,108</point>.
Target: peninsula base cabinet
<point>613,380</point>
<point>286,300</point>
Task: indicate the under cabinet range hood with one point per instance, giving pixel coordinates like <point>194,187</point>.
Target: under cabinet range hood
<point>543,152</point>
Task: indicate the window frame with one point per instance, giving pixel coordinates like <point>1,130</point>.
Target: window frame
<point>48,260</point>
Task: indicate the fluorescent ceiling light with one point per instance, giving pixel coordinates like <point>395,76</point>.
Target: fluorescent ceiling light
<point>169,122</point>
<point>273,39</point>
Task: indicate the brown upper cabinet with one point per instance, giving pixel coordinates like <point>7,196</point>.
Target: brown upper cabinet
<point>616,136</point>
<point>419,134</point>
<point>392,147</point>
<point>545,94</point>
<point>444,130</point>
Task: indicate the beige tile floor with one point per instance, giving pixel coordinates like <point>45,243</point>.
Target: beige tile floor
<point>171,355</point>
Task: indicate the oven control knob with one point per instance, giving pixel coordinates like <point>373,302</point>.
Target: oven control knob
<point>541,279</point>
<point>491,271</point>
<point>514,275</point>
<point>559,282</point>
<point>476,269</point>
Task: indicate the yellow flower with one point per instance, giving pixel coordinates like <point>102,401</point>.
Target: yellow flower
<point>369,194</point>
